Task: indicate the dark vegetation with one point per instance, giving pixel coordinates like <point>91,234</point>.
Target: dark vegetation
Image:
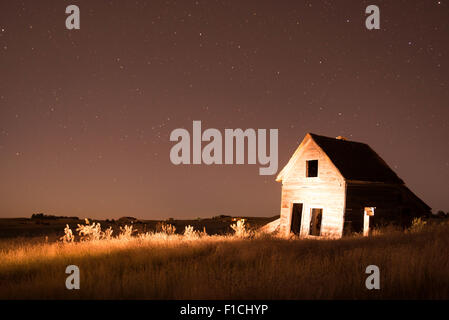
<point>52,226</point>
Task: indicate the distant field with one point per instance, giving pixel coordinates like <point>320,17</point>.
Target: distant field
<point>159,266</point>
<point>54,228</point>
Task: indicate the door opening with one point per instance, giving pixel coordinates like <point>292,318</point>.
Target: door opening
<point>295,226</point>
<point>315,222</point>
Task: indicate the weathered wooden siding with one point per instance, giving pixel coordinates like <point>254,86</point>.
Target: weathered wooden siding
<point>392,203</point>
<point>327,191</point>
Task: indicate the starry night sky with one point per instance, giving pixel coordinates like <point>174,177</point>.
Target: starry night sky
<point>85,115</point>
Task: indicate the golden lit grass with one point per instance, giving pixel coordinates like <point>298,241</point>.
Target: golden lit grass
<point>412,265</point>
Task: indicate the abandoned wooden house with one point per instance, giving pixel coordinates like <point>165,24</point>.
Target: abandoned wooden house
<point>332,187</point>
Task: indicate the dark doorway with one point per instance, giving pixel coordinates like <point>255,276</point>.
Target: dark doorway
<point>296,218</point>
<point>357,221</point>
<point>353,221</point>
<point>315,222</point>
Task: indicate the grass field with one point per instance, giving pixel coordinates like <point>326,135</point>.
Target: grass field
<point>159,266</point>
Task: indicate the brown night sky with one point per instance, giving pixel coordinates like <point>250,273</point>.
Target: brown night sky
<point>85,115</point>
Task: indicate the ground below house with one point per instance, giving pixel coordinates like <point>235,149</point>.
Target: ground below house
<point>413,265</point>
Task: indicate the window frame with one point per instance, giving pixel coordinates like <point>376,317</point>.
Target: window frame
<point>308,166</point>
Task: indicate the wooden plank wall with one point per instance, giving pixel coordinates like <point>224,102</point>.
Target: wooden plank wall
<point>391,202</point>
<point>327,191</point>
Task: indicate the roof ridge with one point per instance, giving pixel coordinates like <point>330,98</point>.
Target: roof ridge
<point>341,140</point>
<point>356,160</point>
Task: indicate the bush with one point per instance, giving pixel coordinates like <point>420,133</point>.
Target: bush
<point>163,227</point>
<point>89,231</point>
<point>417,225</point>
<point>190,233</point>
<point>442,214</point>
<point>240,229</point>
<point>168,229</point>
<point>126,232</point>
<point>68,235</point>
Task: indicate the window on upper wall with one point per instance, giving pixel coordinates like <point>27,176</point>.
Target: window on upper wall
<point>311,168</point>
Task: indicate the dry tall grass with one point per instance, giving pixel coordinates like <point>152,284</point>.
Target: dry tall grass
<point>413,265</point>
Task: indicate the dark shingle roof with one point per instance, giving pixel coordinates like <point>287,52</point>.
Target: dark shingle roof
<point>356,161</point>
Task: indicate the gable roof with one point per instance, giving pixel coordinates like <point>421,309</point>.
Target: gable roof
<point>354,160</point>
<point>415,198</point>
